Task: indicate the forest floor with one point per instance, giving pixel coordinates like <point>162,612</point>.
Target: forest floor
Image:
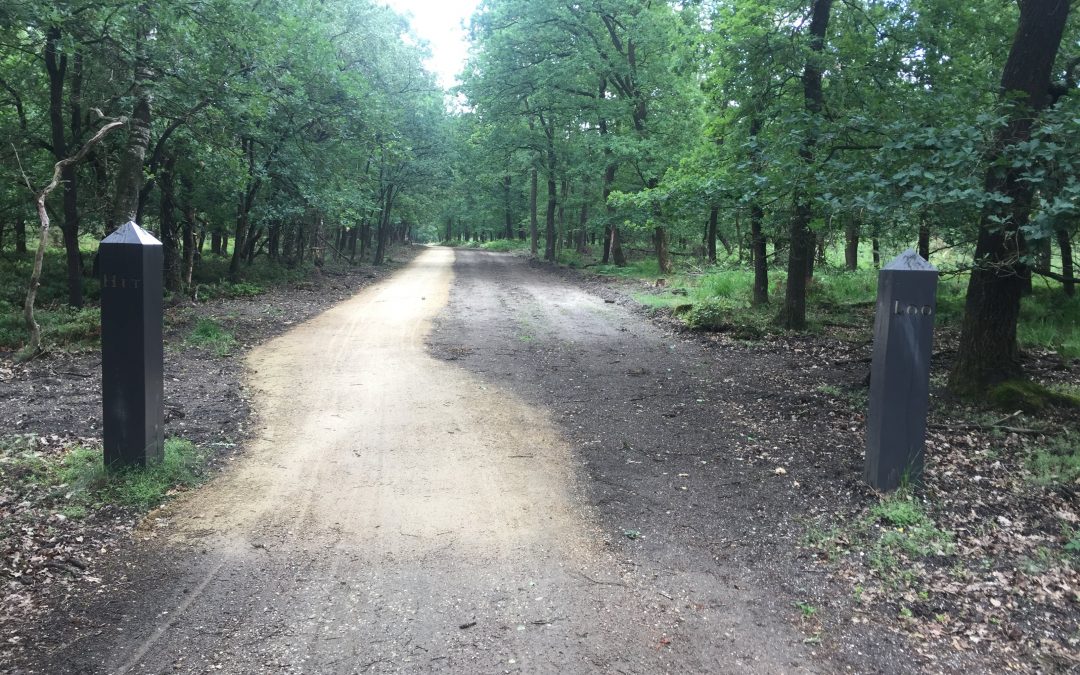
<point>509,468</point>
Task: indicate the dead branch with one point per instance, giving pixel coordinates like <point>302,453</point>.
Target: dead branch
<point>34,347</point>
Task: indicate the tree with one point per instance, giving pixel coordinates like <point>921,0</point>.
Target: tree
<point>988,351</point>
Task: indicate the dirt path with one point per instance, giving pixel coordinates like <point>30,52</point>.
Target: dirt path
<point>399,514</point>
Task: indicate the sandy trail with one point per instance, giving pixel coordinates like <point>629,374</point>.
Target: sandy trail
<point>397,514</point>
<point>370,444</point>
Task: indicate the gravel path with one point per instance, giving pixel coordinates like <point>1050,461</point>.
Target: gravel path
<point>397,512</point>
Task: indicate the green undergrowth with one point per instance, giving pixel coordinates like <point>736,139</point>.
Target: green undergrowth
<point>61,326</point>
<point>210,335</point>
<point>894,535</point>
<point>505,245</point>
<point>212,277</point>
<point>15,277</point>
<point>1031,397</point>
<point>73,479</point>
<point>1056,462</point>
<point>646,268</point>
<point>720,299</point>
<point>68,328</point>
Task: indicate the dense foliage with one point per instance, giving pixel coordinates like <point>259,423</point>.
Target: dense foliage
<point>281,128</point>
<point>782,129</point>
<point>785,129</point>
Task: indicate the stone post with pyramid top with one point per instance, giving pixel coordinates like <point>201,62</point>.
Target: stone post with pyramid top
<point>130,261</point>
<point>900,372</point>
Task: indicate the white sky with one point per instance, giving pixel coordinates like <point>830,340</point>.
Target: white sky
<point>439,22</point>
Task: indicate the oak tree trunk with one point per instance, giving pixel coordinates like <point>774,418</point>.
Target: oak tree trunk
<point>924,239</point>
<point>583,221</point>
<point>1067,267</point>
<point>761,262</point>
<point>20,234</point>
<point>988,352</point>
<point>800,256</point>
<point>851,248</point>
<point>169,229</point>
<point>663,257</point>
<point>549,215</point>
<point>534,233</point>
<point>129,175</point>
<point>710,234</point>
<point>508,214</point>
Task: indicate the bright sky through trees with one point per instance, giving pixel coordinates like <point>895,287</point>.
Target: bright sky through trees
<point>440,23</point>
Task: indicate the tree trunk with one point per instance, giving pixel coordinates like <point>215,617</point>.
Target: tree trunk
<point>758,244</point>
<point>924,239</point>
<point>190,245</point>
<point>761,261</point>
<point>851,249</point>
<point>583,220</point>
<point>129,174</point>
<point>1067,267</point>
<point>549,215</point>
<point>34,346</point>
<point>738,237</point>
<point>710,234</point>
<point>365,236</point>
<point>243,209</point>
<point>800,256</point>
<point>728,248</point>
<point>354,236</point>
<point>215,243</point>
<point>988,351</point>
<point>617,255</point>
<point>169,232</point>
<point>564,190</point>
<point>317,240</point>
<point>614,242</point>
<point>811,246</point>
<point>508,214</point>
<point>273,240</point>
<point>20,234</point>
<point>663,258</point>
<point>1044,252</point>
<point>384,226</point>
<point>534,234</point>
<point>56,68</point>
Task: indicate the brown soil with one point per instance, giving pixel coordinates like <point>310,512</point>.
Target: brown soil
<point>397,513</point>
<point>566,487</point>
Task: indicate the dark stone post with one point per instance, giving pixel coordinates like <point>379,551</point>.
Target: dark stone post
<point>900,372</point>
<point>132,351</point>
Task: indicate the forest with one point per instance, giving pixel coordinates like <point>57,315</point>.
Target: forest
<point>296,131</point>
<point>562,365</point>
<point>785,130</point>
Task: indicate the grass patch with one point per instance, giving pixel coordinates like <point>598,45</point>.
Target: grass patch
<point>15,276</point>
<point>1031,397</point>
<point>899,524</point>
<point>639,269</point>
<point>75,482</point>
<point>210,335</point>
<point>61,326</point>
<point>505,245</point>
<point>893,534</point>
<point>570,258</point>
<point>1056,464</point>
<point>721,314</point>
<point>1050,320</point>
<point>229,289</point>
